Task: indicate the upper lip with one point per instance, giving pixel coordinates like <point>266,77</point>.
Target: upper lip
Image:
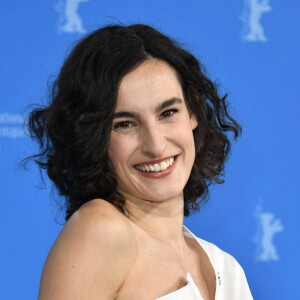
<point>154,161</point>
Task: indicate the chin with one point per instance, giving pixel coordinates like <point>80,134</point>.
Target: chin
<point>162,194</point>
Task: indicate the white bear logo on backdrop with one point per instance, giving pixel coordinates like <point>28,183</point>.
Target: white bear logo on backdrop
<point>11,125</point>
<point>69,19</point>
<point>267,227</point>
<point>253,30</point>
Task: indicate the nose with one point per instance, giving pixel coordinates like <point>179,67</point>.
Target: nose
<point>154,141</point>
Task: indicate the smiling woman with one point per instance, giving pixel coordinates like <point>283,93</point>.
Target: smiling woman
<point>156,132</point>
<point>132,137</point>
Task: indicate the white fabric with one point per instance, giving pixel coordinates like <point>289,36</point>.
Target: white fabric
<point>189,292</point>
<point>231,282</point>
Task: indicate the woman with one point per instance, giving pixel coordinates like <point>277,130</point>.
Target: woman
<point>132,137</point>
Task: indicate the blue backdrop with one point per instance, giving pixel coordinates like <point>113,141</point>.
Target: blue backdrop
<point>250,47</point>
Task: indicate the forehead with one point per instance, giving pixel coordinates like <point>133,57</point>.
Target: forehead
<point>151,82</point>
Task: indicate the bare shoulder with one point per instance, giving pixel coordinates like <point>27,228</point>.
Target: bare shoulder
<point>103,221</point>
<point>92,255</point>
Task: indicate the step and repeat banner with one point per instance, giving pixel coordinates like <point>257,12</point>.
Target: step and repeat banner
<point>250,48</point>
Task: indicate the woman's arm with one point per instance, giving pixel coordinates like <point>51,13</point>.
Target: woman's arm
<point>91,256</point>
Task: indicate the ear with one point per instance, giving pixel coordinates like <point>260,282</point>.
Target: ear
<point>194,121</point>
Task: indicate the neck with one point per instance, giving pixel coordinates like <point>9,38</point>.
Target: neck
<point>162,220</point>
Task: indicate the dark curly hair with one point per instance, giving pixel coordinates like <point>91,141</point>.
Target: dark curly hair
<point>73,131</point>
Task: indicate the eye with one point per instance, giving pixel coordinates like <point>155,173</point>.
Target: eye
<point>123,125</point>
<point>169,113</point>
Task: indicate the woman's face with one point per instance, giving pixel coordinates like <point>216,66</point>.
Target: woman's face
<point>152,146</point>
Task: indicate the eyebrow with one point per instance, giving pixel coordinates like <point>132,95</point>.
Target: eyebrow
<point>160,107</point>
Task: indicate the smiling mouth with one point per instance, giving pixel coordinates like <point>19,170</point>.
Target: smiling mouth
<point>156,167</point>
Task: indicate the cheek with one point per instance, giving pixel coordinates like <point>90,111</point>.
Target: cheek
<point>119,151</point>
<point>184,133</point>
<point>185,139</point>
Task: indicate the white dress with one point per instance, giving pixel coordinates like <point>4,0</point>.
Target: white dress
<point>231,282</point>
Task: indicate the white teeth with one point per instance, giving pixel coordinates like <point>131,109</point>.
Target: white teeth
<point>157,167</point>
<point>163,165</point>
